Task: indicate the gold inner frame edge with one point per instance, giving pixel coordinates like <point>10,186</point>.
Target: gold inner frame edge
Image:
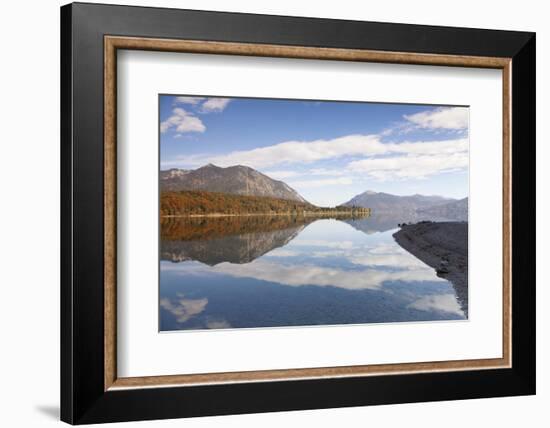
<point>113,43</point>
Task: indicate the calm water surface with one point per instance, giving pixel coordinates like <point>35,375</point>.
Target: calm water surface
<point>243,272</point>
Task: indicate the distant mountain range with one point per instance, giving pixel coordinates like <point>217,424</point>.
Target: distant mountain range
<point>454,210</point>
<point>385,202</point>
<point>245,181</point>
<point>414,207</point>
<point>236,180</point>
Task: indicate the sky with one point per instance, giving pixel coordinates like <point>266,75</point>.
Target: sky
<point>327,151</point>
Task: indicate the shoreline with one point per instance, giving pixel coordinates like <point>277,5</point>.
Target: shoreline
<point>442,246</point>
<point>301,214</point>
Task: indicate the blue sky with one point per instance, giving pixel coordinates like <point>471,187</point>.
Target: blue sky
<point>327,151</point>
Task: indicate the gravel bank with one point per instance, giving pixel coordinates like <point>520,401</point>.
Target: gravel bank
<point>443,246</point>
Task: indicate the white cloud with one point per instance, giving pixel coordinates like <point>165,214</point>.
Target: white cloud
<point>439,302</point>
<point>410,166</point>
<point>203,104</point>
<point>188,100</point>
<point>281,252</point>
<point>281,175</point>
<point>378,256</point>
<point>217,324</point>
<point>214,105</point>
<point>285,174</point>
<point>343,245</point>
<point>300,275</point>
<point>373,158</point>
<point>322,182</point>
<point>369,147</point>
<point>182,121</point>
<point>325,171</point>
<point>429,147</point>
<point>375,266</point>
<point>383,262</point>
<point>296,152</point>
<point>415,160</point>
<point>183,309</point>
<point>441,118</point>
<point>385,255</point>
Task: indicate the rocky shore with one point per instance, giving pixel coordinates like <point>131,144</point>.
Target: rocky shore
<point>443,246</point>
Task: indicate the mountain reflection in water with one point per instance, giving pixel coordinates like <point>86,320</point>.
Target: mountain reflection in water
<point>269,271</point>
<point>238,239</point>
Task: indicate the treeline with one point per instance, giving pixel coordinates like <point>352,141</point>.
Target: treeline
<point>186,203</point>
<point>204,228</point>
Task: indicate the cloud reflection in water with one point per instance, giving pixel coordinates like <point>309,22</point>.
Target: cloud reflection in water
<point>317,276</point>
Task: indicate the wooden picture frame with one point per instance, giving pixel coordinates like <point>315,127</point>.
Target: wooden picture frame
<point>91,390</point>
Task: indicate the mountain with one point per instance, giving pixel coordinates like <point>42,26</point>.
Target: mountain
<point>454,210</point>
<point>237,180</point>
<point>221,239</point>
<point>381,222</point>
<point>170,179</point>
<point>235,249</point>
<point>398,205</point>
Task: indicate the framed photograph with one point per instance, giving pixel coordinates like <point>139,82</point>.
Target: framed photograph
<point>265,213</point>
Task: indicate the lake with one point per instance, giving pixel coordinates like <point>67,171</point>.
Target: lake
<point>275,271</point>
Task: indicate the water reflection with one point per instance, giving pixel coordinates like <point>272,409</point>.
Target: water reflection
<point>237,239</point>
<point>235,272</point>
<point>382,222</point>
